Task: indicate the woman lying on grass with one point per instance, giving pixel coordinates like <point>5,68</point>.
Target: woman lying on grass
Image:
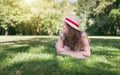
<point>72,41</point>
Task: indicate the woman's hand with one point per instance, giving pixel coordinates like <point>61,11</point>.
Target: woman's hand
<point>62,50</point>
<point>75,54</point>
<point>62,35</point>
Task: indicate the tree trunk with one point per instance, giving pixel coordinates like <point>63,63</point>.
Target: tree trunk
<point>6,32</point>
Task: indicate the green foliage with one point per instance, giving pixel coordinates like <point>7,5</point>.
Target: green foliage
<point>105,18</point>
<point>34,17</point>
<point>83,10</point>
<point>115,14</point>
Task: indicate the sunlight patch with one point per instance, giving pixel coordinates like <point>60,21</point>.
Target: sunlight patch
<point>7,43</point>
<point>60,57</point>
<point>28,2</point>
<point>20,45</point>
<point>101,58</point>
<point>96,59</point>
<point>37,49</point>
<point>30,56</point>
<point>105,48</point>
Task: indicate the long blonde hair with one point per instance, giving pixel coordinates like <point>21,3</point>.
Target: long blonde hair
<point>73,38</point>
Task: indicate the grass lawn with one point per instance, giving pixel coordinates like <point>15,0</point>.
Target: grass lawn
<point>36,56</point>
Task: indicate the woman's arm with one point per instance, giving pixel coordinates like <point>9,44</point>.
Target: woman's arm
<point>60,42</point>
<point>85,45</point>
<point>74,54</point>
<point>78,54</point>
<point>61,50</point>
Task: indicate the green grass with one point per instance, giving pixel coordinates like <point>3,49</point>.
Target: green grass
<point>36,56</point>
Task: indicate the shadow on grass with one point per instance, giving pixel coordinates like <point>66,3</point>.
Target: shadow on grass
<point>10,48</point>
<point>25,45</point>
<point>55,66</point>
<point>107,47</point>
<point>115,43</point>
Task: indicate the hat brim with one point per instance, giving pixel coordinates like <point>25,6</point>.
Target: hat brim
<point>73,26</point>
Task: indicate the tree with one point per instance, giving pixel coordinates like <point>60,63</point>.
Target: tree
<point>33,17</point>
<point>84,9</point>
<point>100,21</point>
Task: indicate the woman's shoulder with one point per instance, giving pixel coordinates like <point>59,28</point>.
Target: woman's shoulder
<point>84,34</point>
<point>62,35</point>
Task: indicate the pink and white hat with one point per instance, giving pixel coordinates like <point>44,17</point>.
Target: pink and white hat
<point>73,21</point>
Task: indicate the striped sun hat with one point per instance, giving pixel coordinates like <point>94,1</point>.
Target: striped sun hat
<point>73,21</point>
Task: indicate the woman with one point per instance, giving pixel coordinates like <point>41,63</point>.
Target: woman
<point>72,41</point>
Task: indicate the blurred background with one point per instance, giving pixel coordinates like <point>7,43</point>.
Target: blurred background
<point>43,17</point>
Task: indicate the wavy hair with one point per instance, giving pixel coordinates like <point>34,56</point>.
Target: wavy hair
<point>72,38</point>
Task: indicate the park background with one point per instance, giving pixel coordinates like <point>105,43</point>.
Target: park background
<point>29,30</point>
<point>43,17</point>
